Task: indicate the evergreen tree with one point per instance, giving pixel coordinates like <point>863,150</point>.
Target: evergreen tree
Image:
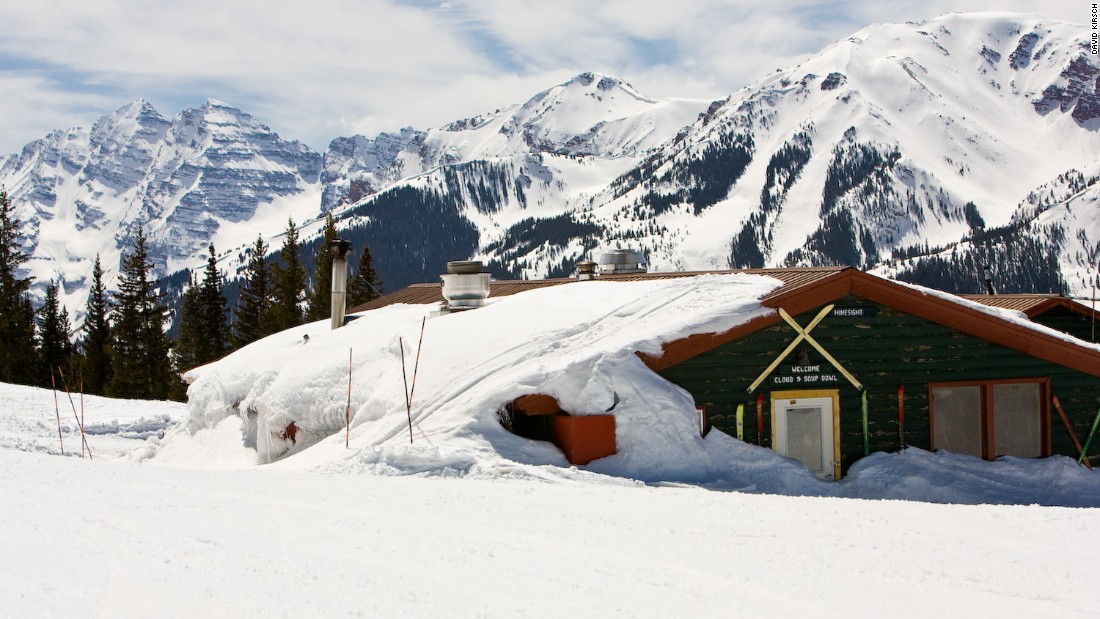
<point>255,299</point>
<point>53,335</point>
<point>139,353</point>
<point>365,285</point>
<point>17,349</point>
<point>289,285</point>
<point>213,307</point>
<point>96,362</point>
<point>187,351</point>
<point>320,294</point>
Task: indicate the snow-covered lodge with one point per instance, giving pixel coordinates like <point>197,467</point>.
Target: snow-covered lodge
<point>833,365</point>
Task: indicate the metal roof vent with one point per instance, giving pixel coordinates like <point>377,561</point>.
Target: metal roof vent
<point>622,261</point>
<point>586,269</point>
<point>464,285</point>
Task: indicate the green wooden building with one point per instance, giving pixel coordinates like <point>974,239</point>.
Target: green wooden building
<point>849,363</point>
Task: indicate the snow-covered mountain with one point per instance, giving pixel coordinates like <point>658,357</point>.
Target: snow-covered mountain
<point>902,141</point>
<point>920,150</point>
<point>86,191</point>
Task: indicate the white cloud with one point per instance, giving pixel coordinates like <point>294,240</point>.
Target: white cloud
<point>335,67</point>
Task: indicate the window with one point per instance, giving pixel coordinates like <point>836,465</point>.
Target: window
<point>991,418</point>
<point>957,424</point>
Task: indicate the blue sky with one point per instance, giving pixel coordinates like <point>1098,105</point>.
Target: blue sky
<point>328,68</point>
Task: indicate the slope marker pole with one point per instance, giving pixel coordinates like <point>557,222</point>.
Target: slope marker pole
<point>404,379</point>
<point>416,364</point>
<point>57,411</point>
<point>83,439</point>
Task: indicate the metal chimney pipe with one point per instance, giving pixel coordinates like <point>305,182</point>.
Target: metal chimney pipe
<point>338,248</point>
<point>989,280</point>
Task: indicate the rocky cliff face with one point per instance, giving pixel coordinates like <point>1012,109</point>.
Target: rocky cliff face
<point>84,192</point>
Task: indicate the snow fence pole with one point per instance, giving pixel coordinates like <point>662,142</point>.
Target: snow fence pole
<point>83,439</point>
<point>1069,429</point>
<point>57,411</point>
<point>408,405</point>
<point>347,413</point>
<point>1088,441</point>
<point>866,438</point>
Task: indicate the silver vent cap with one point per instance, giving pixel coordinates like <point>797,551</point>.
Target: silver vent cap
<point>622,261</point>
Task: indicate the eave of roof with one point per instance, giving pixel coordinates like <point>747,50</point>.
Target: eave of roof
<point>1031,305</point>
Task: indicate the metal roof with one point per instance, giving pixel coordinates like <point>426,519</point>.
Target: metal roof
<point>1031,305</point>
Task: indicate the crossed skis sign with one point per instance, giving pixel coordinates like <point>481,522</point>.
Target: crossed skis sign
<point>804,334</point>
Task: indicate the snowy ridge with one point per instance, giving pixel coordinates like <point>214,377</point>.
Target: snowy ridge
<point>898,138</point>
<point>905,125</point>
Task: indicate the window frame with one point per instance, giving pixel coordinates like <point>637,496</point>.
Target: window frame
<point>988,434</point>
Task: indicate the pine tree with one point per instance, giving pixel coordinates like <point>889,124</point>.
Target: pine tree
<point>320,294</point>
<point>255,299</point>
<point>213,306</point>
<point>289,285</point>
<point>18,357</point>
<point>55,349</point>
<point>96,362</point>
<point>365,285</point>
<point>186,352</point>
<point>139,353</point>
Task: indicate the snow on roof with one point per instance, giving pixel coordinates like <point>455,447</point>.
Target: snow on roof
<point>1008,313</point>
<point>575,342</point>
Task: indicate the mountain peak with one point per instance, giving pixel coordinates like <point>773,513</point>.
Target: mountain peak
<point>135,110</point>
<point>215,104</point>
<point>602,83</point>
